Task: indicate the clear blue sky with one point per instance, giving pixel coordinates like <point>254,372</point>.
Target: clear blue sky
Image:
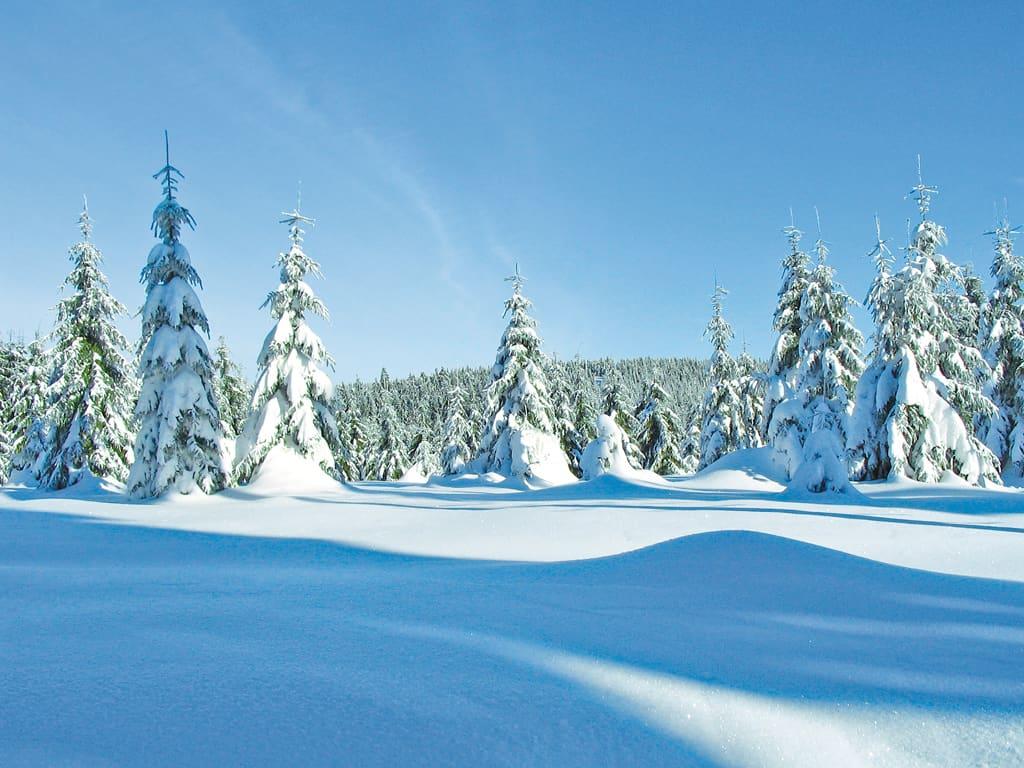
<point>622,153</point>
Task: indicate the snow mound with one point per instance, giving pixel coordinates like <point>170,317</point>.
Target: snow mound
<point>283,471</point>
<point>746,470</point>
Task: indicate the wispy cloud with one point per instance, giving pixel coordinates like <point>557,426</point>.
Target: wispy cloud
<point>254,72</point>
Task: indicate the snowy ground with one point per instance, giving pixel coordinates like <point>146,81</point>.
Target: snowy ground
<point>710,621</point>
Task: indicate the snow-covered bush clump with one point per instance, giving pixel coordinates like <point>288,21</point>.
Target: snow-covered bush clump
<point>290,402</point>
<point>606,454</point>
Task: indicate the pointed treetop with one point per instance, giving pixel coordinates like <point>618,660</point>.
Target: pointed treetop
<point>168,173</point>
<point>294,219</point>
<point>84,222</point>
<point>517,279</point>
<point>820,246</point>
<point>717,296</point>
<point>1003,232</point>
<point>792,233</point>
<point>921,192</point>
<point>881,254</point>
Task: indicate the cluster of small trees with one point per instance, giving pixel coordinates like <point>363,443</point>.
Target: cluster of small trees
<point>938,394</point>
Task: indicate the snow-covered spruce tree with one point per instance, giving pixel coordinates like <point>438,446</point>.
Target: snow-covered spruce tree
<point>232,390</point>
<point>689,449</point>
<point>1002,335</point>
<point>179,446</point>
<point>519,438</point>
<point>786,322</point>
<point>751,393</point>
<point>808,431</point>
<point>454,441</point>
<point>33,430</point>
<point>722,425</point>
<point>618,409</point>
<point>291,400</point>
<point>351,454</point>
<point>389,462</point>
<point>423,454</point>
<point>575,413</point>
<point>93,388</point>
<point>658,432</point>
<point>11,361</point>
<point>919,397</point>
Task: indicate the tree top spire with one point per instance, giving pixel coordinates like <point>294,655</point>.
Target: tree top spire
<point>294,219</point>
<point>517,279</point>
<point>168,173</point>
<point>84,221</point>
<point>880,254</point>
<point>922,192</point>
<point>820,246</point>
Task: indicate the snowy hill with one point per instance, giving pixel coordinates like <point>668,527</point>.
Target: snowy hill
<point>669,622</point>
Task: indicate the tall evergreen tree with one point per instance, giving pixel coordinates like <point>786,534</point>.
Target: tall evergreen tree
<point>920,396</point>
<point>519,435</point>
<point>290,402</point>
<point>232,390</point>
<point>722,425</point>
<point>180,446</point>
<point>93,389</point>
<point>1002,334</point>
<point>787,323</point>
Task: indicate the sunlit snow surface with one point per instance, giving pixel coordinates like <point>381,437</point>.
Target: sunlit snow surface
<point>717,620</point>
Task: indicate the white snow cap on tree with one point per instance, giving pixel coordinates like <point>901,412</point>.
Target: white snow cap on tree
<point>92,387</point>
<point>179,446</point>
<point>920,396</point>
<point>290,402</point>
<point>519,436</point>
<point>808,429</point>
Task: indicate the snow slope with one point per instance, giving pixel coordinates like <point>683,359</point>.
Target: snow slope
<point>390,624</point>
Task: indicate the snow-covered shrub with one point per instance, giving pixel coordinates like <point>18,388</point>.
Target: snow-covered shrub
<point>606,454</point>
